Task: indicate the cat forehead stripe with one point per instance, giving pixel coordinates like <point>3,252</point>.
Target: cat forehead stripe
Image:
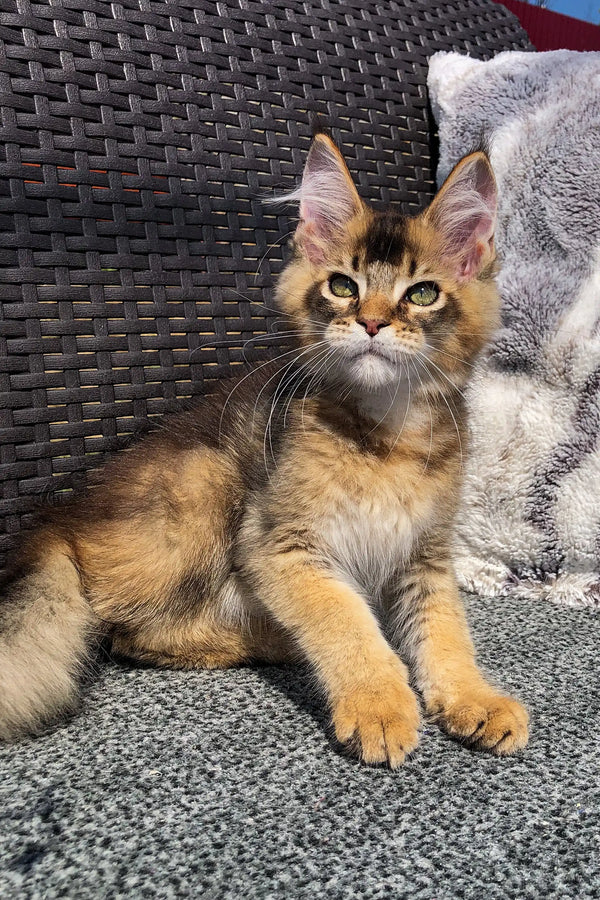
<point>385,240</point>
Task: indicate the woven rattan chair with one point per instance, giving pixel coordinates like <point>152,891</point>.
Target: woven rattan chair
<point>138,138</point>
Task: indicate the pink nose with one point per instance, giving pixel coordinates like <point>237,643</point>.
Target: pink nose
<point>372,326</point>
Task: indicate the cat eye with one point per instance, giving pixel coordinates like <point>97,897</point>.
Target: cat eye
<point>342,286</point>
<point>423,294</point>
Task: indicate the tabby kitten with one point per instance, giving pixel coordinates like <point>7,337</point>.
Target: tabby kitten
<point>305,511</point>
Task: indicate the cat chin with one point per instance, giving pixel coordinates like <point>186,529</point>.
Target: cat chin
<point>370,372</point>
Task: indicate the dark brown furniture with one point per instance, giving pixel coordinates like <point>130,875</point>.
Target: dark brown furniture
<point>138,138</point>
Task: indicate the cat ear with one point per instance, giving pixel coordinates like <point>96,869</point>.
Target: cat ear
<point>464,215</point>
<point>328,199</point>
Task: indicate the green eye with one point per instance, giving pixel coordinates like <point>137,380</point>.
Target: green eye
<point>423,294</point>
<point>342,286</point>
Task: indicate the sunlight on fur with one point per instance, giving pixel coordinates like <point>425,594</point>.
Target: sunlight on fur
<point>304,511</point>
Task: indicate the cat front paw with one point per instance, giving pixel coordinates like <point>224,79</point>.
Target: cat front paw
<point>486,722</point>
<point>379,724</point>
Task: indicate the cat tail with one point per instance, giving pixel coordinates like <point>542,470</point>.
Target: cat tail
<point>48,638</point>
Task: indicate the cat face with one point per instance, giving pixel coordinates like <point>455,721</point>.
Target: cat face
<point>381,299</point>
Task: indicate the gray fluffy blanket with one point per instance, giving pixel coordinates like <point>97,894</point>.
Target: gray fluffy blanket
<point>531,516</point>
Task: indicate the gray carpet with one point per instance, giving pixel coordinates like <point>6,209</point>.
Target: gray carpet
<point>225,785</point>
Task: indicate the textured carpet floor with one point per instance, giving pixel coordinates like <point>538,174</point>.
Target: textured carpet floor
<point>225,785</point>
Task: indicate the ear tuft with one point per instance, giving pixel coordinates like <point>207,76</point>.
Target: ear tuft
<point>328,199</point>
<point>464,215</point>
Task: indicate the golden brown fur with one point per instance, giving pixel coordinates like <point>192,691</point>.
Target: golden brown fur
<point>304,512</point>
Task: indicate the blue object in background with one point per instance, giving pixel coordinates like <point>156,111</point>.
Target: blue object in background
<point>588,10</point>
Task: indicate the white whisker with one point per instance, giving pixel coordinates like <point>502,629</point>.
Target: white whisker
<point>268,250</point>
<point>242,380</point>
<point>322,368</point>
<point>265,385</point>
<point>286,381</point>
<point>417,360</point>
<point>405,414</point>
<point>451,355</point>
<point>443,396</point>
<point>442,373</point>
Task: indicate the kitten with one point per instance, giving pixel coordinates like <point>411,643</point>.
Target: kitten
<point>305,511</point>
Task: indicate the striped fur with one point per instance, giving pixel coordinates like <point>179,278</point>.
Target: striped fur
<point>304,511</point>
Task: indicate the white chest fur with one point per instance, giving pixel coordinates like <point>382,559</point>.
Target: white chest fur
<point>369,534</point>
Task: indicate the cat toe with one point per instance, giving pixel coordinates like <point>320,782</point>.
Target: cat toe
<point>495,723</point>
<point>379,727</point>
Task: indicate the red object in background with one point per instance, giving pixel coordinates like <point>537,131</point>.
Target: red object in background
<point>550,30</point>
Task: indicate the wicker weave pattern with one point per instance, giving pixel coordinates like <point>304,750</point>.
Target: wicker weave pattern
<point>137,140</point>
